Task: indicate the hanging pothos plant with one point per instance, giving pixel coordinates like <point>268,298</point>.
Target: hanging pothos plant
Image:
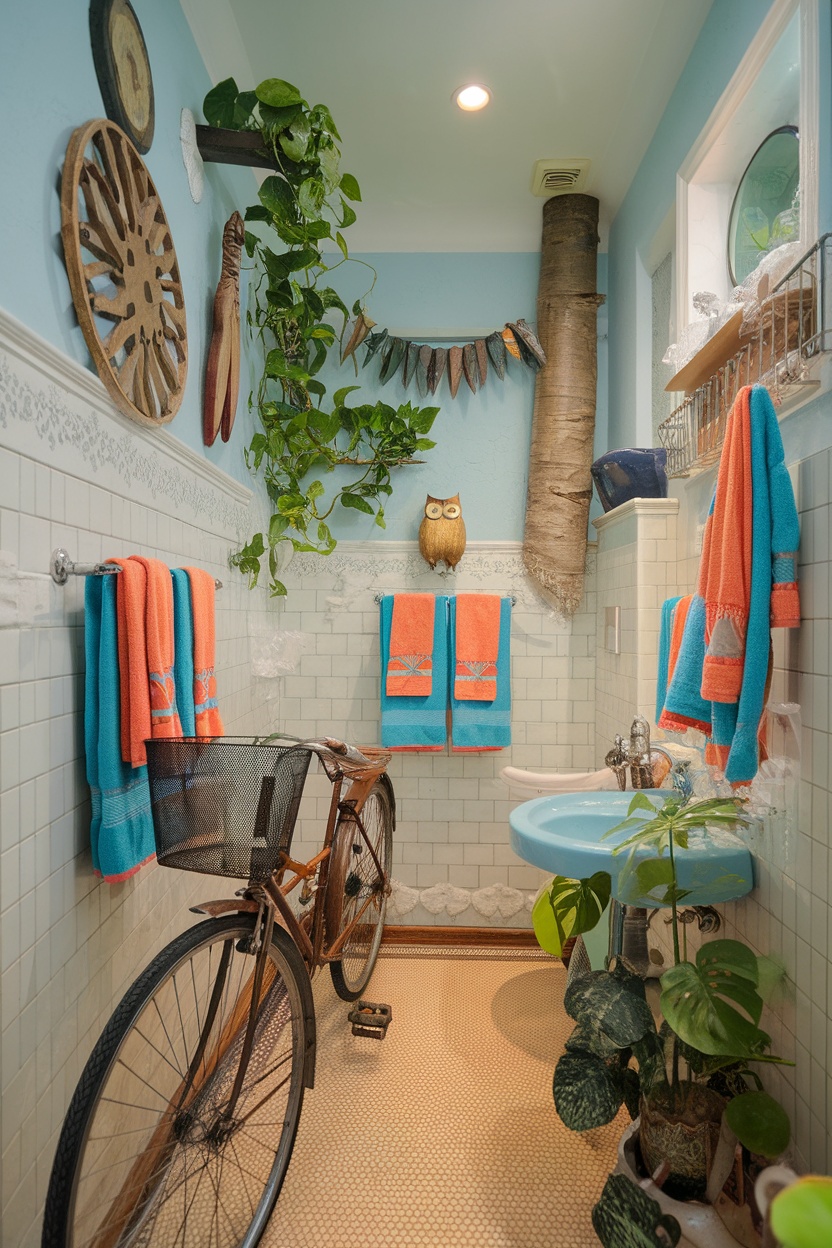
<point>304,437</point>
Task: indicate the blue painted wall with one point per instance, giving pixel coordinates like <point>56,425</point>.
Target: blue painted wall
<point>49,87</point>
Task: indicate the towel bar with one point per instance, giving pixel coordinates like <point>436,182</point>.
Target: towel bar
<point>61,567</point>
<point>378,597</point>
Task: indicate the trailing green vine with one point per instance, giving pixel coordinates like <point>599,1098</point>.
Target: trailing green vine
<point>304,437</point>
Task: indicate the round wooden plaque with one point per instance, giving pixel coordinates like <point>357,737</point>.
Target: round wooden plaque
<point>123,273</point>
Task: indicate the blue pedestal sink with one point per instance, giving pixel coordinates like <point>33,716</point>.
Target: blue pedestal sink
<point>563,833</point>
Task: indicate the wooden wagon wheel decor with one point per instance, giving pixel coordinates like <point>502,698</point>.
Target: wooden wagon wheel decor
<point>123,272</point>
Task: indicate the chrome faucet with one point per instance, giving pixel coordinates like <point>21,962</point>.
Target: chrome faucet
<point>637,758</point>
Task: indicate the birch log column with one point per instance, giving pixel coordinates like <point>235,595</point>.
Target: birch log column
<point>560,484</point>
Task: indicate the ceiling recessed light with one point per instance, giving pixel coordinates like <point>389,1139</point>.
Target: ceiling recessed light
<point>472,97</point>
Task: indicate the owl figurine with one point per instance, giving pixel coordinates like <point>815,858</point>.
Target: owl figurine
<point>442,532</point>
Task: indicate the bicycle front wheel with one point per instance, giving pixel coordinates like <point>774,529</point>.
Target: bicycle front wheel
<point>147,1154</point>
<point>356,891</point>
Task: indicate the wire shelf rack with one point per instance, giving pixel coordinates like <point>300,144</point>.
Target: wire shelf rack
<point>791,331</point>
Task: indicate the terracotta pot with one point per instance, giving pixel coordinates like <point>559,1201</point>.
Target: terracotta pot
<point>682,1134</point>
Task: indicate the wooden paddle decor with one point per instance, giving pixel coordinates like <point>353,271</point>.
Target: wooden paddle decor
<point>429,364</point>
<point>123,270</point>
<point>222,370</point>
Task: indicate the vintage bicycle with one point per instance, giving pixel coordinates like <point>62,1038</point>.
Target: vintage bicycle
<point>182,1125</point>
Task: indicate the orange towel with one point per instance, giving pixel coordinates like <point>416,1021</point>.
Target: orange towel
<point>158,619</point>
<point>206,710</point>
<point>134,693</point>
<point>477,643</point>
<point>727,590</point>
<point>410,665</point>
<point>680,615</point>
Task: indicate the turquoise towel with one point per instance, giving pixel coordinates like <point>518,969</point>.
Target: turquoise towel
<point>485,725</point>
<point>665,631</point>
<point>775,528</point>
<point>416,723</point>
<point>121,832</point>
<point>183,650</point>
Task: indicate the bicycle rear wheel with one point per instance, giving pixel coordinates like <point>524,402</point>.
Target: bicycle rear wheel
<point>145,1155</point>
<point>356,889</point>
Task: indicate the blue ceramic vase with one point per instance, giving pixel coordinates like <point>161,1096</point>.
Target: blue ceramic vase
<point>637,473</point>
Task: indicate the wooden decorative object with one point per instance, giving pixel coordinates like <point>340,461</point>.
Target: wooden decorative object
<point>560,484</point>
<point>442,531</point>
<point>122,66</point>
<point>122,269</point>
<point>427,364</point>
<point>222,371</point>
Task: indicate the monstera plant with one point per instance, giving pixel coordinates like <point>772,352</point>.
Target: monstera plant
<point>304,205</point>
<point>687,1072</point>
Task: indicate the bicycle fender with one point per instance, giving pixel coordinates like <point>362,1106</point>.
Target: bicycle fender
<point>385,780</point>
<point>229,905</point>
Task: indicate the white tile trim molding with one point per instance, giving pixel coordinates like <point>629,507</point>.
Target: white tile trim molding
<point>637,507</point>
<point>54,410</point>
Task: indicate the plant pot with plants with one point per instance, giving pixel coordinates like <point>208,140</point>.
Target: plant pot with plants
<point>304,207</point>
<point>686,1071</point>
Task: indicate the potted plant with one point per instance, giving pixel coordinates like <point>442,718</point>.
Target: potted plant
<point>692,1088</point>
<point>303,204</point>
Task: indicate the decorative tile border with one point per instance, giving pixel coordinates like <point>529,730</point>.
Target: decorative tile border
<point>77,428</point>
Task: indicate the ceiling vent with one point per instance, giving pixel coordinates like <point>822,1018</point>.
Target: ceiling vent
<point>559,177</point>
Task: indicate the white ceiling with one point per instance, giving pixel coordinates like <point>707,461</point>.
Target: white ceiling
<point>570,78</point>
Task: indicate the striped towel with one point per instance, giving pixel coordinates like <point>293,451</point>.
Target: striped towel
<point>476,645</point>
<point>183,657</point>
<point>485,725</point>
<point>416,723</point>
<point>121,831</point>
<point>206,709</point>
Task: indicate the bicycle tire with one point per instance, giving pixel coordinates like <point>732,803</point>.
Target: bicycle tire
<point>352,877</point>
<point>154,1154</point>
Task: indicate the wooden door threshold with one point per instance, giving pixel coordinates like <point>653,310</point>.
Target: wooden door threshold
<point>481,937</point>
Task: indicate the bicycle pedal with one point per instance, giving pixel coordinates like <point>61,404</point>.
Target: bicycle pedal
<point>370,1019</point>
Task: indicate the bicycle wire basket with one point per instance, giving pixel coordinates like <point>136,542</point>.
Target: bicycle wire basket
<point>224,805</point>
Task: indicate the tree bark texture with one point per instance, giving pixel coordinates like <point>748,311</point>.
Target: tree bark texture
<point>560,484</point>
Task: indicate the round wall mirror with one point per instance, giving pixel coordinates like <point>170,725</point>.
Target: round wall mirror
<point>764,214</point>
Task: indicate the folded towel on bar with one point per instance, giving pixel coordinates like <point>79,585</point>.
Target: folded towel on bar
<point>415,724</point>
<point>183,650</point>
<point>485,725</point>
<point>680,616</point>
<point>121,831</point>
<point>410,661</point>
<point>206,709</point>
<point>158,620</point>
<point>135,719</point>
<point>477,640</point>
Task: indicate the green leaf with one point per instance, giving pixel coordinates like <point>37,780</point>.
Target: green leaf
<point>588,1090</point>
<point>626,1217</point>
<point>759,1123</point>
<point>295,138</point>
<point>218,105</point>
<point>277,93</point>
<point>642,802</point>
<point>329,158</point>
<point>339,238</point>
<point>321,118</point>
<point>348,216</point>
<point>311,198</point>
<point>246,104</point>
<point>612,1002</point>
<point>340,395</point>
<point>357,503</point>
<point>275,119</point>
<point>251,244</point>
<point>315,490</point>
<point>567,907</point>
<point>302,259</point>
<point>380,518</point>
<point>277,527</point>
<point>700,1001</point>
<point>350,187</point>
<point>277,197</point>
<point>801,1214</point>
